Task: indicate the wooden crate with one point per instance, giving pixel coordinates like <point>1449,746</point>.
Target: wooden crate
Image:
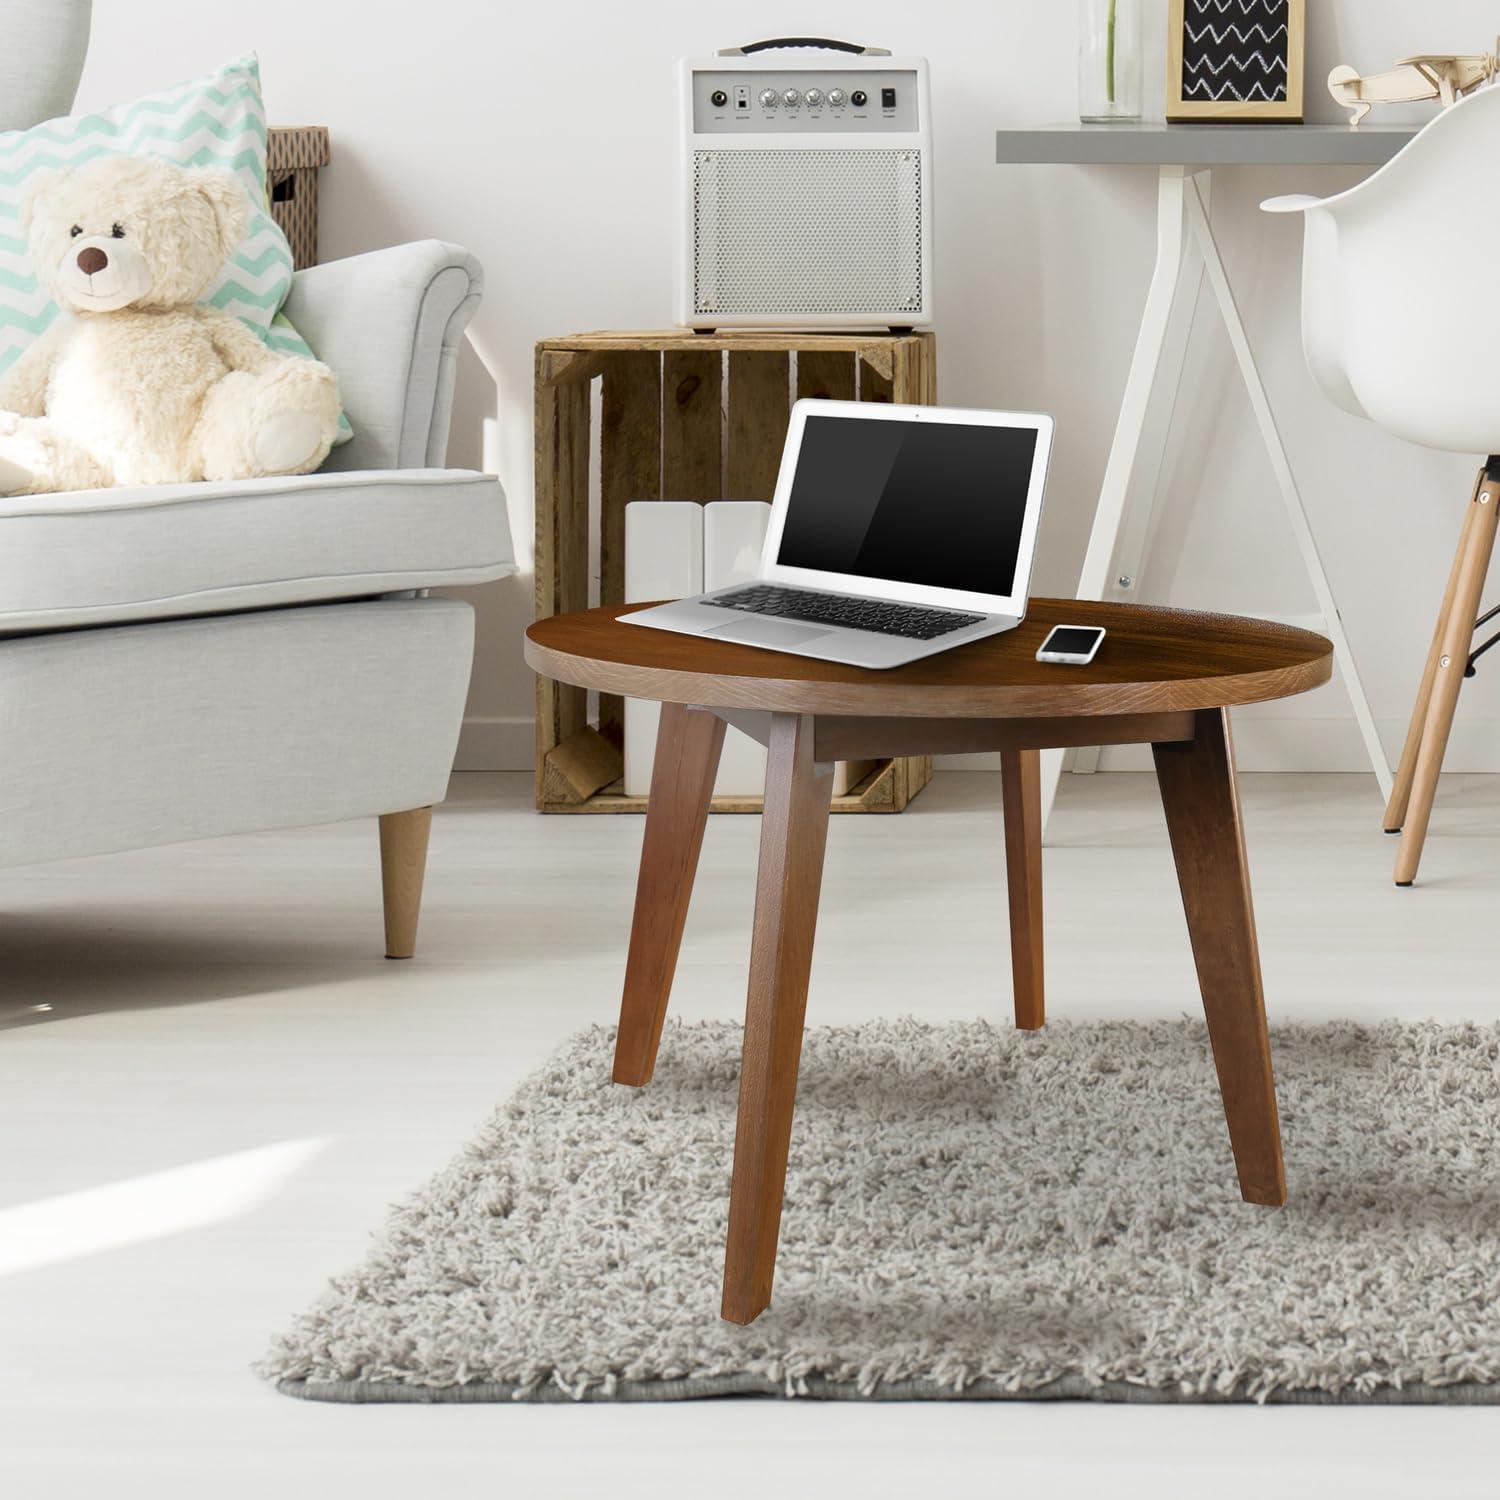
<point>293,157</point>
<point>666,431</point>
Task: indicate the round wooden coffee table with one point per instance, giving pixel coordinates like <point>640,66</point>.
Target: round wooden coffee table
<point>1163,677</point>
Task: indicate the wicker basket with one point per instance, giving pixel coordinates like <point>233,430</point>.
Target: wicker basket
<point>293,157</point>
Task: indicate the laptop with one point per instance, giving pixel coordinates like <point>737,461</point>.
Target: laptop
<point>896,532</point>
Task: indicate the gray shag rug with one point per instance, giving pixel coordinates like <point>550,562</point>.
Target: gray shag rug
<point>971,1213</point>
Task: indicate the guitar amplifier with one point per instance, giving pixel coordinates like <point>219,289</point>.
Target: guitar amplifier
<point>806,188</point>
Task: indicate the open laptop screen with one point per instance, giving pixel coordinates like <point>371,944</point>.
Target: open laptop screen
<point>939,504</point>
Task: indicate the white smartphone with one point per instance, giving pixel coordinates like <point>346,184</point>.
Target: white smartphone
<point>1073,645</point>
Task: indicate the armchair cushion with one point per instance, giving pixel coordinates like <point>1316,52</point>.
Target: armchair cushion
<point>161,552</point>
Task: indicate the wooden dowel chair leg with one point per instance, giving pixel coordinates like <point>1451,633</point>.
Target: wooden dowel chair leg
<point>1448,675</point>
<point>403,863</point>
<point>1021,792</point>
<point>1395,811</point>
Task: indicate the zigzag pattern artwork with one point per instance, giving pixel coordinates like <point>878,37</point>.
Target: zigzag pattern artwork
<point>1235,50</point>
<point>215,121</point>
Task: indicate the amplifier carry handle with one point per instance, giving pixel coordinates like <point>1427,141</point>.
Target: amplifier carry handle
<point>826,43</point>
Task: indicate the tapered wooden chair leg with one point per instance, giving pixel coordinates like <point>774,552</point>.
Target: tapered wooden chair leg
<point>1395,810</point>
<point>793,836</point>
<point>1203,820</point>
<point>403,864</point>
<point>1448,676</point>
<point>1021,790</point>
<point>688,742</point>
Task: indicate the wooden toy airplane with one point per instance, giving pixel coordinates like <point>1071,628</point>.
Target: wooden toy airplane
<point>1443,76</point>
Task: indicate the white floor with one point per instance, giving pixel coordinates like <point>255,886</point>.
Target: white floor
<point>222,1008</point>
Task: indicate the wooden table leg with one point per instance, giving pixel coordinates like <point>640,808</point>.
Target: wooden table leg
<point>1203,820</point>
<point>682,784</point>
<point>1021,791</point>
<point>793,834</point>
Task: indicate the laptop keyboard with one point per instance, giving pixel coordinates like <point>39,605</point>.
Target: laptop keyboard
<point>914,621</point>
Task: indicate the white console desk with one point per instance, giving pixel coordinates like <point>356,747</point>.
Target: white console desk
<point>1186,157</point>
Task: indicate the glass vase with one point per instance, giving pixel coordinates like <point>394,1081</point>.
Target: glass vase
<point>1109,60</point>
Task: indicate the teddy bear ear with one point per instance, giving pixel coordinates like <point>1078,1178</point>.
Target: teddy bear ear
<point>226,195</point>
<point>35,191</point>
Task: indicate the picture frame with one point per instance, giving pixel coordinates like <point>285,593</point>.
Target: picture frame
<point>1242,62</point>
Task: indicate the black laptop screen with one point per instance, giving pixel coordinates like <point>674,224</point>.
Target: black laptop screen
<point>939,504</point>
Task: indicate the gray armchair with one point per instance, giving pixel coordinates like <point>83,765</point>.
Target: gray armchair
<point>183,661</point>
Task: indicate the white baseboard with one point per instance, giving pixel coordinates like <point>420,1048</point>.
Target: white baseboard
<point>496,744</point>
<point>1268,742</point>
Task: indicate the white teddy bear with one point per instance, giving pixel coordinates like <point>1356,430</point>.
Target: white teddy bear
<point>136,382</point>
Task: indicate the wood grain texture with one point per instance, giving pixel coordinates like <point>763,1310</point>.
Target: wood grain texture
<point>561,541</point>
<point>1202,805</point>
<point>574,770</point>
<point>403,867</point>
<point>794,833</point>
<point>682,781</point>
<point>875,367</point>
<point>843,737</point>
<point>1395,809</point>
<point>692,425</point>
<point>887,788</point>
<point>1448,680</point>
<point>760,405</point>
<point>629,470</point>
<point>1021,793</point>
<point>1153,661</point>
<point>743,341</point>
<point>824,375</point>
<point>665,430</point>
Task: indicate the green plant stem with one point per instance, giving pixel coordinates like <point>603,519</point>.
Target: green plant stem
<point>1109,53</point>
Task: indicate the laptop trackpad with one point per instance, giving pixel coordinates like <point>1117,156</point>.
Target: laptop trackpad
<point>768,633</point>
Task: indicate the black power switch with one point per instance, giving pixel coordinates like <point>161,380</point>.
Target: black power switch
<point>888,98</point>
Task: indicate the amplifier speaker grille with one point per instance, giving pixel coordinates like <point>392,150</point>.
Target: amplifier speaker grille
<point>809,231</point>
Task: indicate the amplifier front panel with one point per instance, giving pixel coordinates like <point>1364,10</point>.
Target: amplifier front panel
<point>807,232</point>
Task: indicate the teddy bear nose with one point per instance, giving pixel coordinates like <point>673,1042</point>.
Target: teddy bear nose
<point>91,260</point>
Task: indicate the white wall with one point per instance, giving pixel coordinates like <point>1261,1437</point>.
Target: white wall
<point>542,136</point>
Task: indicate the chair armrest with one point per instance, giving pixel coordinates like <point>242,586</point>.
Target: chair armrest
<point>389,323</point>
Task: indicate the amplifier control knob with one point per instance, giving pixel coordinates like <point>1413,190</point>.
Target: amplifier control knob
<point>813,96</point>
<point>837,96</point>
<point>769,98</point>
<point>790,98</point>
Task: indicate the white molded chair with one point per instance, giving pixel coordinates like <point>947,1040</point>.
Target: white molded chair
<point>1401,326</point>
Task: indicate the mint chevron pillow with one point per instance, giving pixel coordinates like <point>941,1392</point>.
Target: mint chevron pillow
<point>217,121</point>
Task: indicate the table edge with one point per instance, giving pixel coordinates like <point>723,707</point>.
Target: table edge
<point>885,699</point>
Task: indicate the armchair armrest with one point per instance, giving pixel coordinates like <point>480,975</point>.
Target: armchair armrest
<point>388,323</point>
